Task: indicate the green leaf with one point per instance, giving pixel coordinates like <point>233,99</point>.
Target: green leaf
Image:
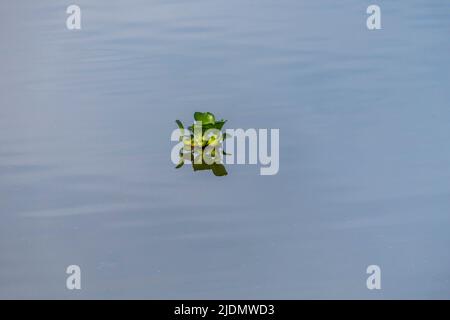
<point>219,170</point>
<point>200,166</point>
<point>180,165</point>
<point>204,117</point>
<point>219,124</point>
<point>180,124</point>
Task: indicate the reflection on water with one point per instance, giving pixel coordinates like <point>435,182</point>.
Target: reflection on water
<point>86,176</point>
<point>217,169</point>
<point>200,163</point>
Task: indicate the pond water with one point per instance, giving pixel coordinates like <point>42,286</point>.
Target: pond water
<point>86,177</point>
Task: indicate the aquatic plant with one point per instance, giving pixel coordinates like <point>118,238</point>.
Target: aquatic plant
<point>205,131</point>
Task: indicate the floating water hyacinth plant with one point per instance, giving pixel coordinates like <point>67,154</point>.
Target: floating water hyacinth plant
<point>201,142</point>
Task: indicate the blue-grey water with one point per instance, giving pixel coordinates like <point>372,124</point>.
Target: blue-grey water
<point>85,171</point>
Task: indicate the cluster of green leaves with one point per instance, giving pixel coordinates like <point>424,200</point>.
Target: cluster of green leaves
<point>208,121</point>
<point>204,121</point>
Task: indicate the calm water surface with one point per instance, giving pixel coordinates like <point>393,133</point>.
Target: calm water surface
<point>85,170</point>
